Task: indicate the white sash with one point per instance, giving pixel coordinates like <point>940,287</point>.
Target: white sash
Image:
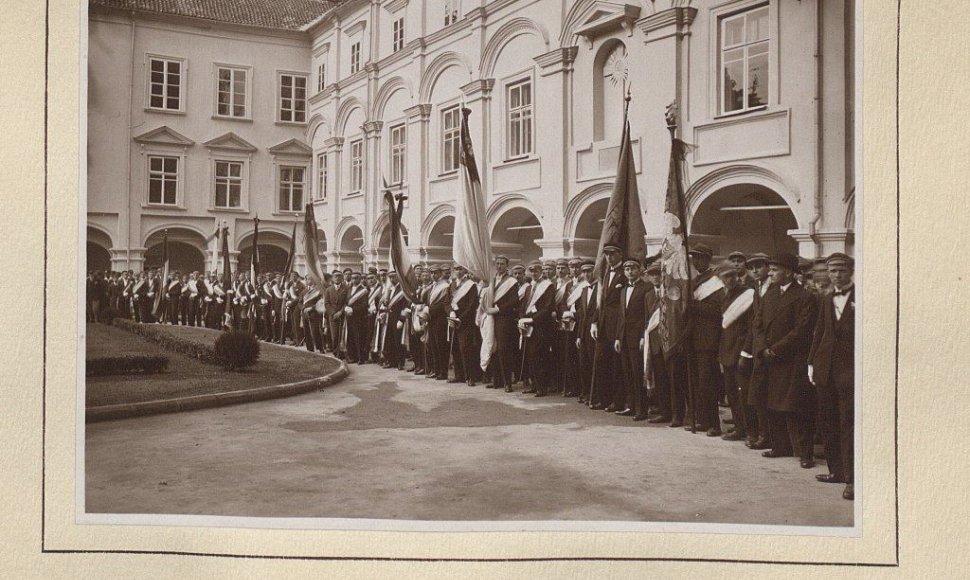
<point>396,298</point>
<point>710,286</point>
<point>576,293</point>
<point>504,287</point>
<point>310,295</point>
<point>172,285</point>
<point>654,321</point>
<point>522,290</point>
<point>460,293</point>
<point>276,292</point>
<point>561,291</point>
<point>208,286</point>
<point>193,287</point>
<point>740,305</point>
<point>537,293</point>
<point>436,292</point>
<point>137,286</point>
<point>217,289</point>
<point>360,293</point>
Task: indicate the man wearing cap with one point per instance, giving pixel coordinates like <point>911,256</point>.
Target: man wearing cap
<point>311,317</point>
<point>782,341</point>
<point>461,318</point>
<point>563,284</point>
<point>832,370</point>
<point>705,333</point>
<point>750,369</point>
<point>735,326</point>
<point>394,322</point>
<point>821,281</point>
<point>607,386</point>
<point>438,300</point>
<point>569,355</point>
<point>539,328</point>
<point>659,376</point>
<point>505,297</point>
<point>630,341</point>
<point>526,363</point>
<point>335,299</point>
<point>585,314</point>
<point>414,324</point>
<point>355,316</point>
<point>373,328</point>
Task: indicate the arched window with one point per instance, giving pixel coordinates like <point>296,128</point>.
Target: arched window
<point>609,85</point>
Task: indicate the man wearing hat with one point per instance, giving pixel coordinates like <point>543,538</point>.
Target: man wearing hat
<point>607,386</point>
<point>563,283</point>
<point>740,262</point>
<point>538,326</point>
<point>414,323</point>
<point>705,334</point>
<point>395,323</point>
<point>782,341</point>
<point>630,341</point>
<point>438,300</point>
<point>335,298</point>
<point>355,316</point>
<point>659,376</point>
<point>464,308</point>
<point>534,274</point>
<point>584,309</point>
<point>750,369</point>
<point>569,356</point>
<point>504,310</point>
<point>821,281</point>
<point>832,370</point>
<point>735,327</point>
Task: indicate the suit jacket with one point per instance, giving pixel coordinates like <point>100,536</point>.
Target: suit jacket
<point>834,338</point>
<point>468,308</point>
<point>653,303</point>
<point>785,324</point>
<point>733,337</point>
<point>524,298</point>
<point>705,317</point>
<point>586,312</point>
<point>335,298</point>
<point>544,316</point>
<point>633,315</point>
<point>508,303</point>
<point>609,311</point>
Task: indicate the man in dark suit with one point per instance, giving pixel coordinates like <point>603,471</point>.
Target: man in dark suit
<point>335,298</point>
<point>659,376</point>
<point>522,289</point>
<point>504,312</point>
<point>750,369</point>
<point>832,370</point>
<point>585,314</point>
<point>782,340</point>
<point>735,325</point>
<point>540,322</point>
<point>705,333</point>
<point>311,317</point>
<point>439,299</point>
<point>464,309</point>
<point>355,314</point>
<point>608,377</point>
<point>396,324</point>
<point>630,341</point>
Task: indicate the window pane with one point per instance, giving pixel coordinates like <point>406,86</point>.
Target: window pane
<point>297,198</point>
<point>239,111</point>
<point>235,169</point>
<point>527,94</point>
<point>175,67</point>
<point>158,77</point>
<point>733,55</point>
<point>757,25</point>
<point>224,75</point>
<point>173,103</point>
<point>172,91</point>
<point>157,65</point>
<point>759,48</point>
<point>301,82</point>
<point>758,80</point>
<point>154,191</point>
<point>222,169</point>
<point>170,191</point>
<point>234,194</point>
<point>155,163</point>
<point>220,195</point>
<point>286,81</point>
<point>733,31</point>
<point>173,79</point>
<point>171,164</point>
<point>287,92</point>
<point>527,134</point>
<point>284,198</point>
<point>732,87</point>
<point>514,97</point>
<point>298,174</point>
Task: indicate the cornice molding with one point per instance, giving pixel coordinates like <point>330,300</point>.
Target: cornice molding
<point>373,128</point>
<point>421,111</point>
<point>483,86</point>
<point>230,142</point>
<point>334,143</point>
<point>667,22</point>
<point>164,135</point>
<point>356,27</point>
<point>393,6</point>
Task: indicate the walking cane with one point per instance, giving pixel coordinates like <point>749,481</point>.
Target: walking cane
<point>525,342</point>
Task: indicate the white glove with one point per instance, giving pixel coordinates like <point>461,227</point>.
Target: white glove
<point>594,332</point>
<point>616,346</point>
<point>811,374</point>
<point>348,310</point>
<point>641,344</point>
<point>400,325</point>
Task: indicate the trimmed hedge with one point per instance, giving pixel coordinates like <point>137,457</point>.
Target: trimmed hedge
<point>124,365</point>
<point>237,349</point>
<point>197,349</point>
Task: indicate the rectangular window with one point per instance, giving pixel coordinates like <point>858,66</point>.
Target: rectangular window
<point>398,148</point>
<point>451,11</point>
<point>321,76</point>
<point>356,166</point>
<point>450,129</point>
<point>165,84</point>
<point>519,133</point>
<point>231,92</point>
<point>323,175</point>
<point>293,98</point>
<point>744,61</point>
<point>398,35</point>
<point>291,188</point>
<point>355,57</point>
<point>163,175</point>
<point>228,184</point>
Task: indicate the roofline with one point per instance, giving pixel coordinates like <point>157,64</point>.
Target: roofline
<point>293,34</point>
<point>335,13</point>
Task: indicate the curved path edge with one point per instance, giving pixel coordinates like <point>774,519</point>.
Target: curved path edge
<point>195,402</point>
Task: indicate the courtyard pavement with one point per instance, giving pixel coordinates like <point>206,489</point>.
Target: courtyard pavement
<point>391,445</point>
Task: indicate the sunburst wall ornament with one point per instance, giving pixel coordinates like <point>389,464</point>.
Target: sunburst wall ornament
<point>616,68</point>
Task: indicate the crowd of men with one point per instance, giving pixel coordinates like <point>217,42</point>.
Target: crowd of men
<point>770,338</point>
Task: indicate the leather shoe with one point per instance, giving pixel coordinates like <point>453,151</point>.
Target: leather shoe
<point>625,412</point>
<point>676,423</point>
<point>453,381</point>
<point>733,436</point>
<point>529,391</point>
<point>760,444</point>
<point>659,419</point>
<point>807,463</point>
<point>699,428</point>
<point>540,394</point>
<point>713,432</point>
<point>828,478</point>
<point>611,409</point>
<point>596,407</point>
<point>848,493</point>
<point>771,454</point>
<point>471,383</point>
<point>509,390</point>
<point>640,418</point>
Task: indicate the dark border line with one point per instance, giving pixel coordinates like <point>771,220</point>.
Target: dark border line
<point>44,549</point>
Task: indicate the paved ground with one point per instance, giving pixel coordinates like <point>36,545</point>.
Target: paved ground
<point>385,444</point>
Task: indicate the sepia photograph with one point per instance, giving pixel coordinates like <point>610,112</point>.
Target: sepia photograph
<point>471,265</point>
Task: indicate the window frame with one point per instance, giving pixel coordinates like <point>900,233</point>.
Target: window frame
<point>178,179</point>
<point>356,172</point>
<point>397,152</point>
<point>321,76</point>
<point>247,97</point>
<point>242,181</point>
<point>511,84</point>
<point>445,138</point>
<point>287,165</point>
<point>718,15</point>
<point>355,49</point>
<point>397,35</point>
<point>279,97</point>
<point>183,84</point>
<point>323,176</point>
<point>452,11</point>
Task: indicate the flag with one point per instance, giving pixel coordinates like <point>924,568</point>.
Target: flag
<point>311,246</point>
<point>292,255</point>
<point>675,292</point>
<point>226,278</point>
<point>254,263</point>
<point>472,246</point>
<point>623,225</point>
<point>163,289</point>
<point>400,260</point>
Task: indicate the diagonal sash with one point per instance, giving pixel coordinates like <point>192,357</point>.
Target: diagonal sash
<point>738,307</point>
<point>504,287</point>
<point>708,287</point>
<point>460,293</point>
<point>537,293</point>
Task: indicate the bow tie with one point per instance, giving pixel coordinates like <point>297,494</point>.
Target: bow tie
<point>842,292</point>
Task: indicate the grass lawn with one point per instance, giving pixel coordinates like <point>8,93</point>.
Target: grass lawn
<point>186,376</point>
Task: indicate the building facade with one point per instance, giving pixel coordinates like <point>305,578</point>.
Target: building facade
<point>333,105</point>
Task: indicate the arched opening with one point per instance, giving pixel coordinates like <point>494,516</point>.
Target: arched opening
<point>589,228</point>
<point>99,258</point>
<point>747,218</point>
<point>515,234</point>
<point>609,72</point>
<point>184,250</point>
<point>350,245</point>
<point>273,252</point>
<point>384,245</point>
